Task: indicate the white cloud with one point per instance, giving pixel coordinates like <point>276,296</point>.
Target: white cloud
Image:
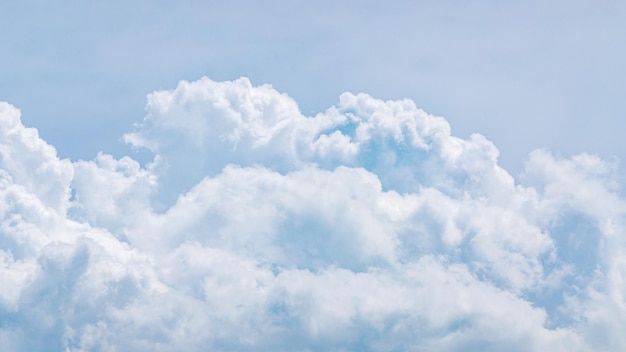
<point>366,227</point>
<point>28,161</point>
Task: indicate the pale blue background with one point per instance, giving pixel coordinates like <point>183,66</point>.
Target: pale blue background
<point>526,74</point>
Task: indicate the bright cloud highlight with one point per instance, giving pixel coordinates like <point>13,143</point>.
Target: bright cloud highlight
<point>365,227</point>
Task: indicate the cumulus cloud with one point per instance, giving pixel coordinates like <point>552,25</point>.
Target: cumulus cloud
<point>365,227</point>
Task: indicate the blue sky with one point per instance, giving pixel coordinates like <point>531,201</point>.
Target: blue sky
<point>299,176</point>
<point>527,74</point>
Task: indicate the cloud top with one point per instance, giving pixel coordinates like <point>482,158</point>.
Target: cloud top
<point>365,227</point>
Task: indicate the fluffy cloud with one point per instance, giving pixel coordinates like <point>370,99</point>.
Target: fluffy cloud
<point>365,227</point>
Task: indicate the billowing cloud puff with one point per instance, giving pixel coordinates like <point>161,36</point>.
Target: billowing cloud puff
<point>365,227</point>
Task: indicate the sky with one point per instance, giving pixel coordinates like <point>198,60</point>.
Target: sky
<point>299,176</point>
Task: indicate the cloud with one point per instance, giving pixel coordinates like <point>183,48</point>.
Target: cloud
<point>365,227</point>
